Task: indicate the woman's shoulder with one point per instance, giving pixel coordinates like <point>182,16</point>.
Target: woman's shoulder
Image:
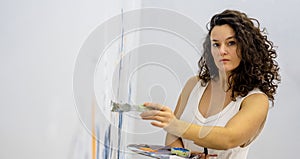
<point>193,79</point>
<point>184,95</point>
<point>255,95</point>
<point>191,82</point>
<point>255,92</point>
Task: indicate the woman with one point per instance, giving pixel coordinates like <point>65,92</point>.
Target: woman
<point>225,107</point>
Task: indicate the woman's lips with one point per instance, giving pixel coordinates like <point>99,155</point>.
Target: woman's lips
<point>224,60</point>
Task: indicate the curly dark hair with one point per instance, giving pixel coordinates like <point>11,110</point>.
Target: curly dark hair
<point>257,69</point>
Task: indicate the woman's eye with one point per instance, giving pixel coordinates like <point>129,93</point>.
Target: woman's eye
<point>231,43</point>
<point>215,44</point>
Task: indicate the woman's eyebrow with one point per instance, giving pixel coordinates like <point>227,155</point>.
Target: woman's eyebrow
<point>230,37</point>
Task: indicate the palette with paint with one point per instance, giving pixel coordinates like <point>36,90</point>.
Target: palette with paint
<point>155,151</point>
<point>166,152</point>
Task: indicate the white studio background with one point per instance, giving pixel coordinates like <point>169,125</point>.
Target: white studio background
<point>40,41</point>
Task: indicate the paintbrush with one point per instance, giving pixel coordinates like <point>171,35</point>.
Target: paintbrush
<point>125,107</point>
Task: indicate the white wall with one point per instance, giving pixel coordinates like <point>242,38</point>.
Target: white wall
<point>39,43</point>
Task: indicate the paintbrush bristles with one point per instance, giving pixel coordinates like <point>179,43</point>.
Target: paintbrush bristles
<point>125,107</point>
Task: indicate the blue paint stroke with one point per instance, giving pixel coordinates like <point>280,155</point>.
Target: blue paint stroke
<point>122,32</point>
<point>121,49</point>
<point>98,142</point>
<point>120,125</point>
<point>107,149</point>
<point>129,92</point>
<point>120,121</point>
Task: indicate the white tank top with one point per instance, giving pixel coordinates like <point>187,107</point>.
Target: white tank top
<point>191,114</point>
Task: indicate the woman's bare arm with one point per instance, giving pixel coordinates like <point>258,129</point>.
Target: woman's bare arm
<point>242,127</point>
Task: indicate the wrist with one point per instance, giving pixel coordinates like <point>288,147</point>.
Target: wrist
<point>177,127</point>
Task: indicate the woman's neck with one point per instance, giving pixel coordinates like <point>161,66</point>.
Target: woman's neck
<point>222,82</point>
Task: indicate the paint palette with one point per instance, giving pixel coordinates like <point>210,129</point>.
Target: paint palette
<point>164,152</point>
<point>155,151</point>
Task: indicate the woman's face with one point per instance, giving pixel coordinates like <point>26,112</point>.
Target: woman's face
<point>224,48</point>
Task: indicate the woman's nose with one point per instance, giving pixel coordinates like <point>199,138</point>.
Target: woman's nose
<point>223,50</point>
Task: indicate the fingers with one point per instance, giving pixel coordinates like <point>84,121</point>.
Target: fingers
<point>157,106</point>
<point>151,113</point>
<point>160,113</point>
<point>159,120</point>
<point>158,110</point>
<point>156,115</point>
<point>158,124</point>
